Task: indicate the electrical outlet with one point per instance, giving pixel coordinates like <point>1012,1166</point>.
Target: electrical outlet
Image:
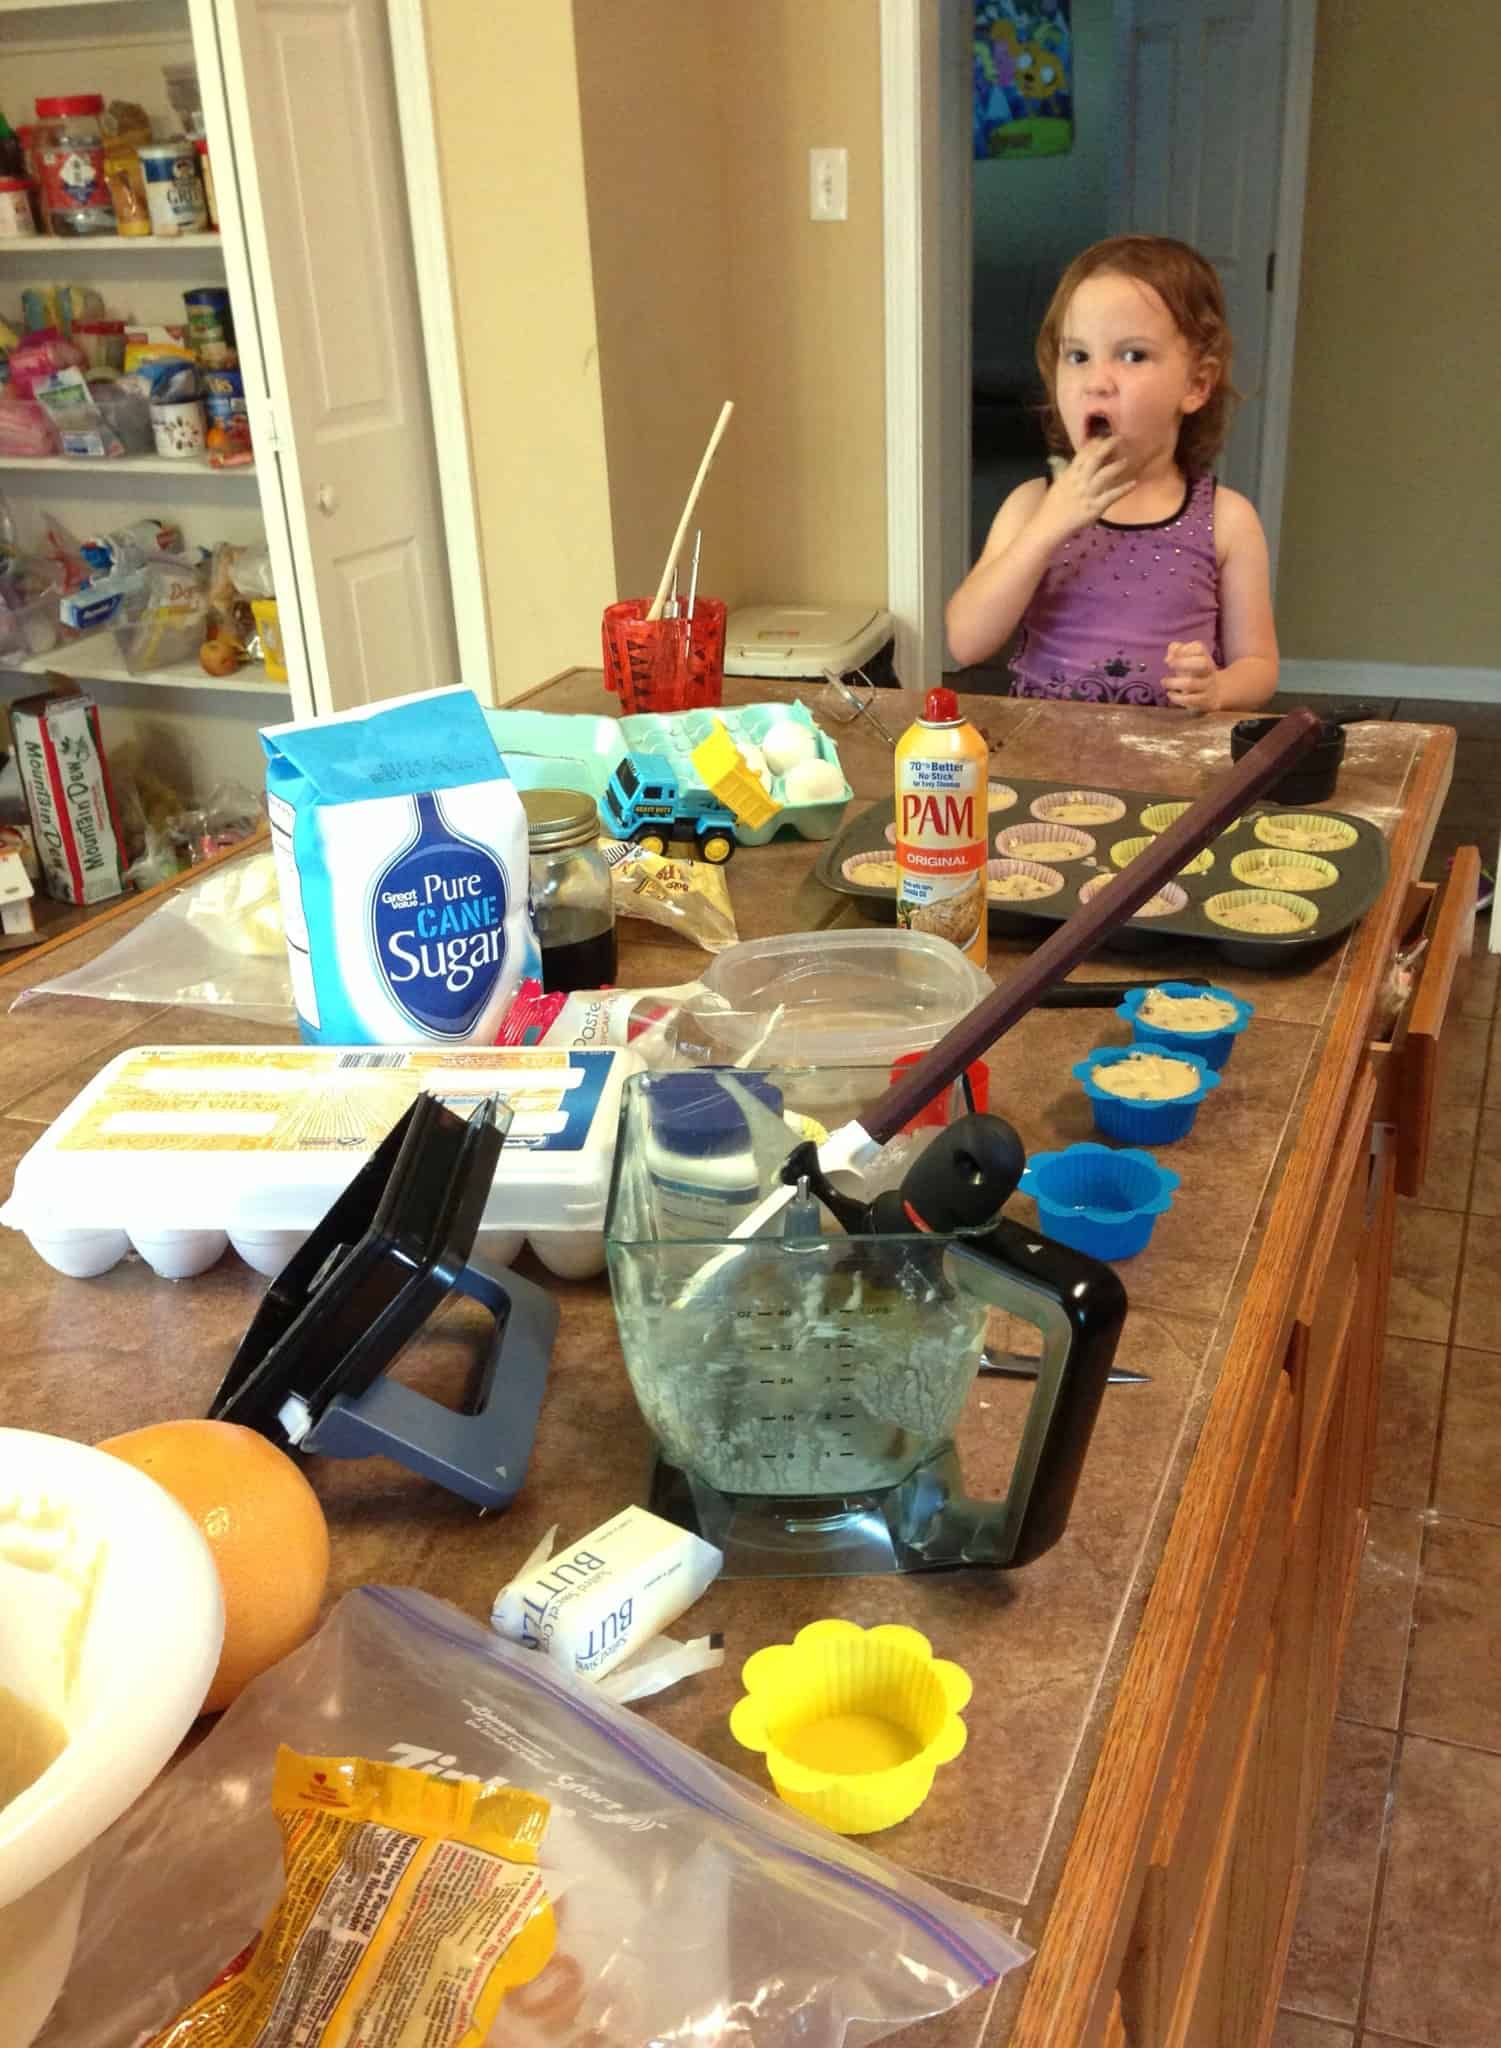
<point>828,184</point>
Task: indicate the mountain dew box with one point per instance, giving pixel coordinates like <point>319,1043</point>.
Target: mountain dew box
<point>942,822</point>
<point>74,822</point>
<point>401,851</point>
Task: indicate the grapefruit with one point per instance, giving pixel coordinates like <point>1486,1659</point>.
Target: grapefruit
<point>264,1526</point>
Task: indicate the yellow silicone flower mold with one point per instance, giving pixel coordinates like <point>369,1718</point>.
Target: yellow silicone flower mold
<point>854,1722</point>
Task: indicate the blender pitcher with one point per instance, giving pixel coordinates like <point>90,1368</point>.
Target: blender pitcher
<point>804,1386</point>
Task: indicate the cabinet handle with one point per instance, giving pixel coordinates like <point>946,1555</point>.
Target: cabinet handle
<point>1451,933</point>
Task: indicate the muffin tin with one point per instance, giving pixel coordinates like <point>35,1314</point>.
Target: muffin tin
<point>1354,849</point>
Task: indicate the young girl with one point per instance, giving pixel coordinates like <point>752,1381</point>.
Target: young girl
<point>1168,600</point>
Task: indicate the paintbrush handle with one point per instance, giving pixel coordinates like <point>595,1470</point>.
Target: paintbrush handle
<point>698,483</point>
<point>1076,939</point>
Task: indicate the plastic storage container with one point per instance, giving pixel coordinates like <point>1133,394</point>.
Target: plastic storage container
<point>69,154</point>
<point>179,1152</point>
<point>842,999</point>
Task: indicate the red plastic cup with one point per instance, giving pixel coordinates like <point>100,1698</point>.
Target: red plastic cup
<point>664,664</point>
<point>949,1103</point>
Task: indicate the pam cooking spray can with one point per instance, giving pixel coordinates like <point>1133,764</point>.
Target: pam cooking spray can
<point>942,818</point>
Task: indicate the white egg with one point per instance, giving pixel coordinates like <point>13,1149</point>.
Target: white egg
<point>752,756</point>
<point>813,782</point>
<point>787,743</point>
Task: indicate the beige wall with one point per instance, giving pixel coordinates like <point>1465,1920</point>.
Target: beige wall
<point>711,283</point>
<point>652,94</point>
<point>505,95</point>
<point>1390,536</point>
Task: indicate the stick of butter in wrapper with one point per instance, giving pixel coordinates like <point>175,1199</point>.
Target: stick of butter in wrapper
<point>589,1606</point>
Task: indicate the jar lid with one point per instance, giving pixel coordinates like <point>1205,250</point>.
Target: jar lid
<point>70,103</point>
<point>18,185</point>
<point>558,818</point>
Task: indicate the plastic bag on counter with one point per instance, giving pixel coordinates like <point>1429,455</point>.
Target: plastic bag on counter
<point>690,1906</point>
<point>689,897</point>
<point>231,814</point>
<point>215,944</point>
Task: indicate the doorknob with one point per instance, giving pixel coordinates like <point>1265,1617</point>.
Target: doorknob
<point>328,499</point>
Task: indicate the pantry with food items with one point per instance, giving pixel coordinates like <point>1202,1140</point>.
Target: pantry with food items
<point>216,452</point>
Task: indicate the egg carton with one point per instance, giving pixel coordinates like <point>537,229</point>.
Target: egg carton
<point>181,1153</point>
<point>572,750</point>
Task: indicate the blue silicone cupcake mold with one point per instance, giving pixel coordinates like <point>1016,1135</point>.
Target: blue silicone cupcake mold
<point>1213,1047</point>
<point>1144,1123</point>
<point>1101,1202</point>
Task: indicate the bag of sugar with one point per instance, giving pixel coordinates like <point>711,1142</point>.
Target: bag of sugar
<point>401,852</point>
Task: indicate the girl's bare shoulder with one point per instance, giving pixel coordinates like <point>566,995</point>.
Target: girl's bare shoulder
<point>1235,521</point>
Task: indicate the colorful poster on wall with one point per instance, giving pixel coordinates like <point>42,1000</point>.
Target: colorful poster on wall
<point>1024,78</point>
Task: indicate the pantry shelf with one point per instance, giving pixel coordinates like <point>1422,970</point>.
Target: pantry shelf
<point>97,659</point>
<point>125,465</point>
<point>45,249</point>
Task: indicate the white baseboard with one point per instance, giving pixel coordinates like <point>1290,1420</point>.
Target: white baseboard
<point>1391,679</point>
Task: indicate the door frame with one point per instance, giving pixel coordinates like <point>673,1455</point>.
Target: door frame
<point>422,163</point>
<point>927,268</point>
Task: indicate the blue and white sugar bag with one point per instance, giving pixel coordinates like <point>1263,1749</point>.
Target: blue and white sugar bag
<point>401,852</point>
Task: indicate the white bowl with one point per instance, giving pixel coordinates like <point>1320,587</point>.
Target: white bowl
<point>111,1621</point>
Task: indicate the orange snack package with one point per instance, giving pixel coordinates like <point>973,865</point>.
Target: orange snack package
<point>412,1906</point>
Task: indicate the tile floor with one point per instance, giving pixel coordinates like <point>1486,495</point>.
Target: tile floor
<point>1399,1936</point>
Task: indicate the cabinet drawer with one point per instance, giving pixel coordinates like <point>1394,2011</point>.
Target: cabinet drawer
<point>1188,1837</point>
<point>1413,1052</point>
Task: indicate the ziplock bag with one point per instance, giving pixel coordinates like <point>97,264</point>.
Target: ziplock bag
<point>216,943</point>
<point>691,1908</point>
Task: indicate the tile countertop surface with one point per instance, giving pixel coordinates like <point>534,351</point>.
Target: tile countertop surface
<point>1045,1645</point>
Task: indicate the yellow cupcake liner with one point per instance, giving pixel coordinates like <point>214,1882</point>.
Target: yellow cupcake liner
<point>1044,807</point>
<point>853,1722</point>
<point>1157,817</point>
<point>1013,840</point>
<point>1125,851</point>
<point>1168,901</point>
<point>1257,867</point>
<point>1216,908</point>
<point>1331,833</point>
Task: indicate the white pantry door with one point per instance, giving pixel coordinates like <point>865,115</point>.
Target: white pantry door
<point>312,115</point>
<point>1201,110</point>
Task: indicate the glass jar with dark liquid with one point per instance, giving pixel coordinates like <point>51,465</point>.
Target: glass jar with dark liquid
<point>572,908</point>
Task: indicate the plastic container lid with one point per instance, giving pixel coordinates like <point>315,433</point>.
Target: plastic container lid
<point>803,640</point>
<point>693,1115</point>
<point>173,1149</point>
<point>70,103</point>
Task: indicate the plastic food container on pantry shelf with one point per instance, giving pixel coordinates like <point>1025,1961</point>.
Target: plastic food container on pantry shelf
<point>179,1152</point>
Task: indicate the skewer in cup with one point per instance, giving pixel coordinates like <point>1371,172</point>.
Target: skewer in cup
<point>698,483</point>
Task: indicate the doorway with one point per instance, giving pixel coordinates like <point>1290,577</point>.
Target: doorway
<point>1204,109</point>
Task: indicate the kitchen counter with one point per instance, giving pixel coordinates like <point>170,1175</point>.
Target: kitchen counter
<point>1085,1677</point>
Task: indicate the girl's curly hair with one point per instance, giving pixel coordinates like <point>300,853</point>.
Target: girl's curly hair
<point>1190,289</point>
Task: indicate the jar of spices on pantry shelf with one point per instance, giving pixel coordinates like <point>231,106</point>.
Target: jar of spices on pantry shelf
<point>573,911</point>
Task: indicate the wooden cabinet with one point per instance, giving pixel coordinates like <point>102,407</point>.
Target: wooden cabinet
<point>1219,1893</point>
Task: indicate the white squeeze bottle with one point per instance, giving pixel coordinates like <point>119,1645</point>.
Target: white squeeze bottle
<point>942,818</point>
